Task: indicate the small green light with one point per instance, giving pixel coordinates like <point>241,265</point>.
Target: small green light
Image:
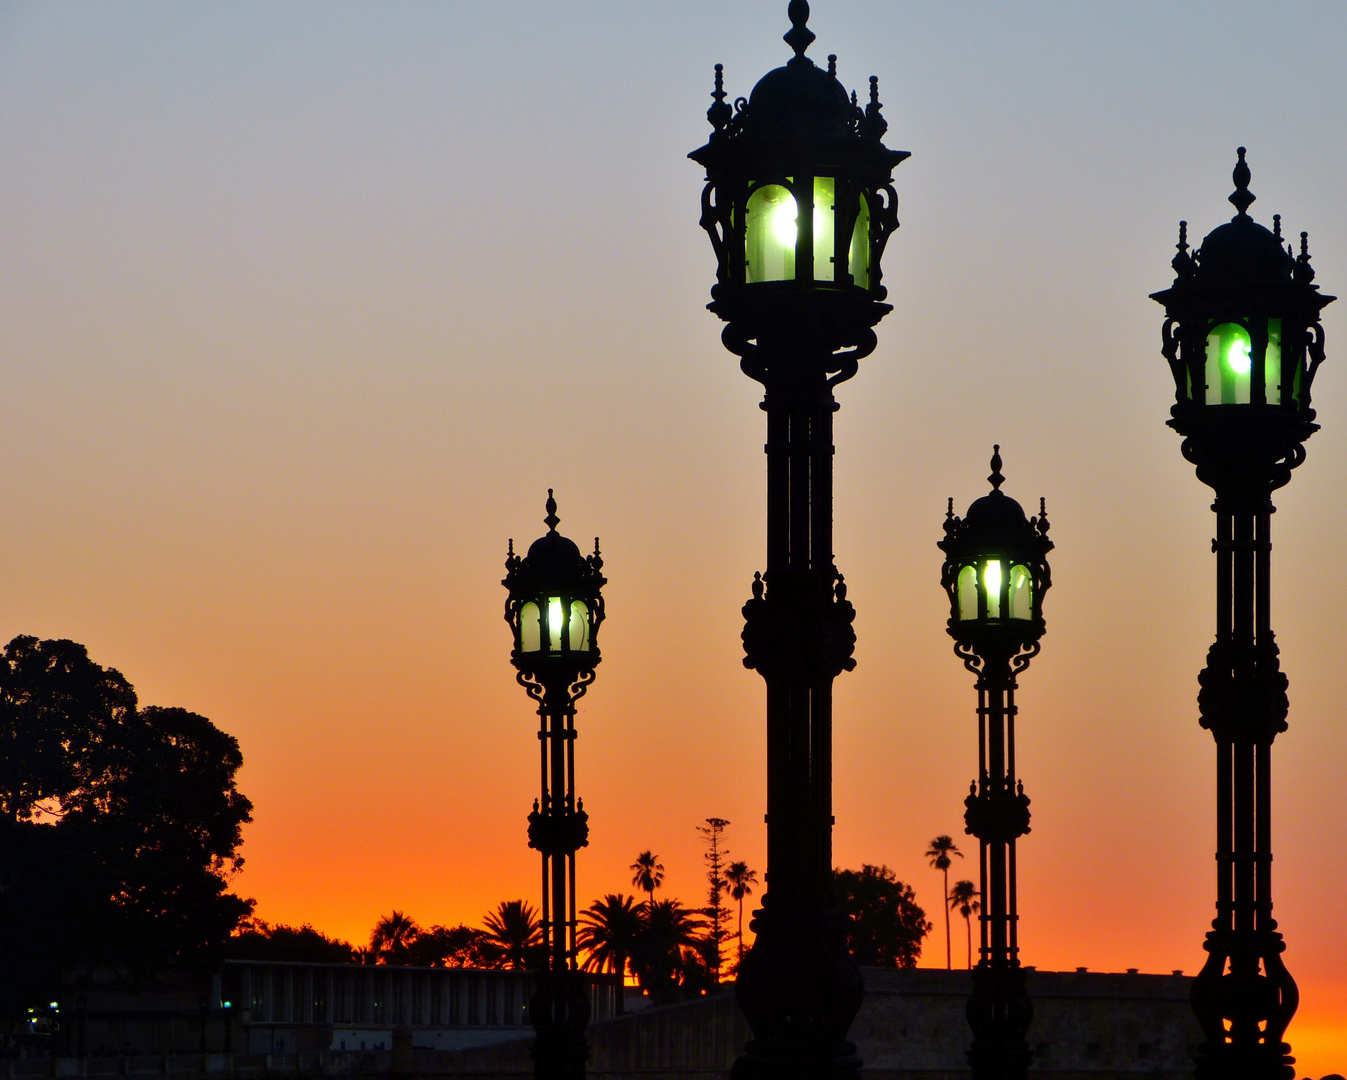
<point>1238,357</point>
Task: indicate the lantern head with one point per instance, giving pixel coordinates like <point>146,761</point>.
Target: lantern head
<point>1243,339</point>
<point>996,571</point>
<point>799,203</point>
<point>555,606</point>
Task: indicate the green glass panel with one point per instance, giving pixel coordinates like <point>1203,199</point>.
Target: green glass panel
<point>1229,360</point>
<point>967,593</point>
<point>1020,594</point>
<point>530,628</point>
<point>992,585</point>
<point>579,626</point>
<point>1272,364</point>
<point>825,229</point>
<point>770,233</point>
<point>859,255</point>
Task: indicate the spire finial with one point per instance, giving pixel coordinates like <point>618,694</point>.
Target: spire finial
<point>873,124</point>
<point>1304,272</point>
<point>551,521</point>
<point>1183,262</point>
<point>1043,524</point>
<point>1241,198</point>
<point>1277,226</point>
<point>719,114</point>
<point>799,37</point>
<point>996,478</point>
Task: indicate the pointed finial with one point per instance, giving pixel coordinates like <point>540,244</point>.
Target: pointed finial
<point>1183,262</point>
<point>1043,524</point>
<point>719,114</point>
<point>949,508</point>
<point>1241,198</point>
<point>1277,226</point>
<point>840,589</point>
<point>996,478</point>
<point>873,125</point>
<point>596,560</point>
<point>1304,272</point>
<point>799,37</point>
<point>551,521</point>
<point>510,552</point>
<point>832,64</point>
<point>757,585</point>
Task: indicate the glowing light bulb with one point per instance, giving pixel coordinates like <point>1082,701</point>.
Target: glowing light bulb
<point>991,581</point>
<point>1238,357</point>
<point>554,622</point>
<point>784,215</point>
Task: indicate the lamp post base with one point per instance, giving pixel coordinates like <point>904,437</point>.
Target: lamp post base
<point>800,990</point>
<point>999,1012</point>
<point>560,1010</point>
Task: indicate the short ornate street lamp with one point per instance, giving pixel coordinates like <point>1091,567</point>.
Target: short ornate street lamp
<point>1243,340</point>
<point>554,608</point>
<point>799,205</point>
<point>995,574</point>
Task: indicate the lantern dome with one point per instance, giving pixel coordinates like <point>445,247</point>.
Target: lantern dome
<point>799,99</point>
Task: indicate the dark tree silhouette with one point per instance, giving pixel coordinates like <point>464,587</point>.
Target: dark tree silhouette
<point>259,940</point>
<point>716,913</point>
<point>138,807</point>
<point>391,939</point>
<point>448,946</point>
<point>514,936</point>
<point>668,939</point>
<point>887,924</point>
<point>741,881</point>
<point>963,897</point>
<point>938,854</point>
<point>609,931</point>
<point>647,873</point>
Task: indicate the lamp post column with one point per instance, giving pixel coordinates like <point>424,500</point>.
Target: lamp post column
<point>798,985</point>
<point>554,608</point>
<point>558,827</point>
<point>997,813</point>
<point>995,574</point>
<point>1244,340</point>
<point>799,204</point>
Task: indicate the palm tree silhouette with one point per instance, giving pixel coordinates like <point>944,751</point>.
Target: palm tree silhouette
<point>938,853</point>
<point>667,930</point>
<point>609,929</point>
<point>514,937</point>
<point>963,895</point>
<point>391,937</point>
<point>648,873</point>
<point>741,880</point>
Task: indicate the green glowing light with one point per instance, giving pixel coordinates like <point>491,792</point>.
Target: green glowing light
<point>782,221</point>
<point>1238,357</point>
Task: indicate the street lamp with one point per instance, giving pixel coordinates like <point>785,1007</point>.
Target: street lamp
<point>799,205</point>
<point>1243,340</point>
<point>995,575</point>
<point>554,609</point>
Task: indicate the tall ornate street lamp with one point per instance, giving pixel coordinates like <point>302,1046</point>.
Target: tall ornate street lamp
<point>799,205</point>
<point>1243,340</point>
<point>554,608</point>
<point>995,574</point>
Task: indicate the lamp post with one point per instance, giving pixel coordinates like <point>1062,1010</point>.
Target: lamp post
<point>554,608</point>
<point>1243,340</point>
<point>799,205</point>
<point>995,575</point>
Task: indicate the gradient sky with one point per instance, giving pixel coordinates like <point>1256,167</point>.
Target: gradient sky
<point>303,308</point>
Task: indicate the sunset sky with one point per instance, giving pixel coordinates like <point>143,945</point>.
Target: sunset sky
<point>303,307</point>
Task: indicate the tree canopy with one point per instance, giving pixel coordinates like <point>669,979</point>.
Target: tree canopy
<point>120,826</point>
<point>887,924</point>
